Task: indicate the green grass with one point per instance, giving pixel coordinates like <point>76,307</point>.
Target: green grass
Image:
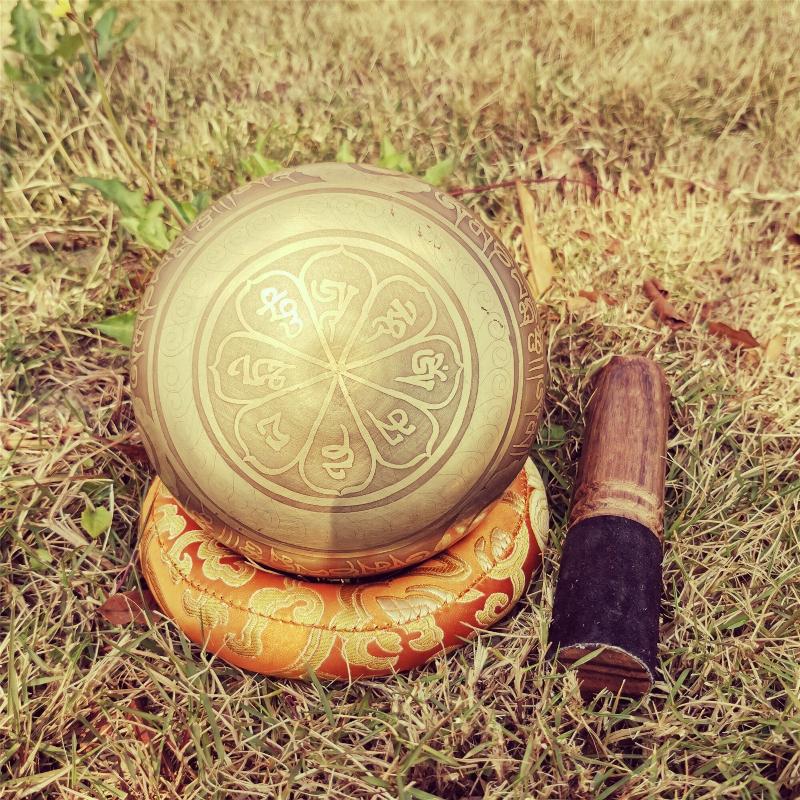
<point>689,113</point>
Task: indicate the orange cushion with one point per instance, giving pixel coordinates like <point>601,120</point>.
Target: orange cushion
<point>273,623</point>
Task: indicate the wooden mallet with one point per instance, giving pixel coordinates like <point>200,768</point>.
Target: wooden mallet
<point>605,613</point>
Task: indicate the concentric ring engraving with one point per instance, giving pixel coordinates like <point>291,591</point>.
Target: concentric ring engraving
<point>336,364</point>
<point>335,374</point>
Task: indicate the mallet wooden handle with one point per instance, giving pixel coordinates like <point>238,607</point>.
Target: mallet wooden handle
<point>609,583</point>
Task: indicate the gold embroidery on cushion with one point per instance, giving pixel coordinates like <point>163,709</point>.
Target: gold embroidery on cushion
<point>510,552</point>
<point>355,636</point>
<point>234,575</point>
<point>354,645</point>
<point>470,596</point>
<point>209,611</point>
<point>515,500</point>
<point>430,634</point>
<point>355,652</point>
<point>249,642</point>
<point>210,553</point>
<point>169,520</point>
<point>417,602</point>
<point>179,562</point>
<point>495,606</point>
<point>444,565</point>
<point>503,556</point>
<point>317,648</point>
<point>539,517</point>
<point>307,609</point>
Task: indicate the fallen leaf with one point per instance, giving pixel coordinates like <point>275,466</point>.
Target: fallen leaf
<point>707,308</point>
<point>135,452</point>
<point>664,310</point>
<point>63,240</point>
<point>593,297</point>
<point>739,338</point>
<point>95,521</point>
<point>134,715</point>
<point>774,349</point>
<point>557,161</point>
<point>123,608</point>
<point>539,255</point>
<point>577,303</point>
<point>794,237</point>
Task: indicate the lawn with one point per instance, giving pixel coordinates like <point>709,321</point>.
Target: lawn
<point>675,127</point>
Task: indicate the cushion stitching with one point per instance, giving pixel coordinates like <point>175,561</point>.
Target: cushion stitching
<point>232,604</point>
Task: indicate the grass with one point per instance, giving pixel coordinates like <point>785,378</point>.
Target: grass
<point>689,114</point>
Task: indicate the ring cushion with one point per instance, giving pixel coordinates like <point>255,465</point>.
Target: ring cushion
<point>276,624</point>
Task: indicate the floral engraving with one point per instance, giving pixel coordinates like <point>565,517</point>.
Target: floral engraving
<point>339,378</point>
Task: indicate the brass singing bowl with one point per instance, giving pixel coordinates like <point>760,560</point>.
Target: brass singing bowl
<point>335,365</point>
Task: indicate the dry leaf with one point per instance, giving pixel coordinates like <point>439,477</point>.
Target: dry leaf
<point>135,452</point>
<point>142,734</point>
<point>739,338</point>
<point>539,256</point>
<point>65,240</point>
<point>126,607</point>
<point>576,303</point>
<point>559,161</point>
<point>664,310</point>
<point>774,349</point>
<point>593,296</point>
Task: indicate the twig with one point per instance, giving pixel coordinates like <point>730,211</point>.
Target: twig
<point>460,190</point>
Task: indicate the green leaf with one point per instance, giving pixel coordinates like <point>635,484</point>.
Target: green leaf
<point>189,211</point>
<point>107,40</point>
<point>40,559</point>
<point>92,8</point>
<point>391,158</point>
<point>257,166</point>
<point>12,73</point>
<point>344,155</point>
<point>95,521</point>
<point>26,31</point>
<point>201,201</point>
<point>438,172</point>
<point>131,203</point>
<point>119,327</point>
<point>127,31</point>
<point>68,47</point>
<point>151,229</point>
<point>103,27</point>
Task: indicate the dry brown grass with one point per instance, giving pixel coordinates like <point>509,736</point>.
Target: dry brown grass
<point>690,113</point>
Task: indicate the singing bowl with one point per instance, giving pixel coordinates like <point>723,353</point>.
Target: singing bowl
<point>334,365</point>
<point>269,622</point>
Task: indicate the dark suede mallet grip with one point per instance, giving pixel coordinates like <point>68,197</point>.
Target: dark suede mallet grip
<point>609,585</point>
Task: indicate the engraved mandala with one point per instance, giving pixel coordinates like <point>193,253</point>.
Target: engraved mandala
<point>336,375</point>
